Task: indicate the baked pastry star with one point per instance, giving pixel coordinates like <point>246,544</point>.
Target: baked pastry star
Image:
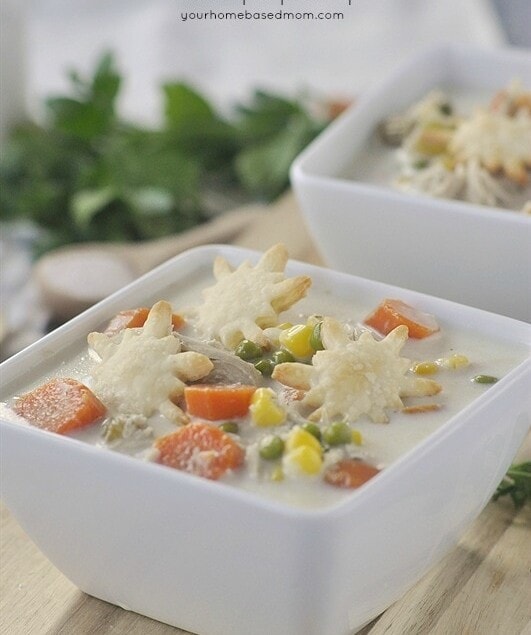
<point>143,370</point>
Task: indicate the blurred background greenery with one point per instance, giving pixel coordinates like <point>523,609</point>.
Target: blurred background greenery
<point>85,174</point>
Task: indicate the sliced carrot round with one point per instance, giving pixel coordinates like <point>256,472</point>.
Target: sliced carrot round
<point>61,405</point>
<point>392,313</point>
<point>350,473</point>
<point>215,402</point>
<point>200,449</point>
<point>135,318</point>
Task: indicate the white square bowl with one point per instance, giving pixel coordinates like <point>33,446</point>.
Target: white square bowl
<point>475,255</point>
<point>212,559</point>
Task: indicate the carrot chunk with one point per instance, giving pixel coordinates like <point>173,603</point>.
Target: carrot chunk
<point>201,449</point>
<point>392,313</point>
<point>61,405</point>
<point>135,318</point>
<point>350,473</point>
<point>214,402</point>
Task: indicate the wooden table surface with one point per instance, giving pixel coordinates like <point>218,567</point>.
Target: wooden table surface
<point>483,587</point>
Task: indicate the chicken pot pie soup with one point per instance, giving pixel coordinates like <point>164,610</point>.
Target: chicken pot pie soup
<point>267,383</point>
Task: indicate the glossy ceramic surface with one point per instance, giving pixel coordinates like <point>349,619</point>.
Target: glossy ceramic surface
<point>475,255</point>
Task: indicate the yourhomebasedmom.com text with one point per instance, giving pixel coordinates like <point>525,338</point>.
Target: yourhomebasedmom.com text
<point>212,15</point>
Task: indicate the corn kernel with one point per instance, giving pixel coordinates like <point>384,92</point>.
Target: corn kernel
<point>357,437</point>
<point>454,362</point>
<point>284,326</point>
<point>264,410</point>
<point>433,140</point>
<point>448,161</point>
<point>277,474</point>
<point>298,437</point>
<point>425,368</point>
<point>305,459</point>
<point>262,393</point>
<point>297,340</point>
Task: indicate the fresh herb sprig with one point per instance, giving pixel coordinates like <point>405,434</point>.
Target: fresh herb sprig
<point>86,174</point>
<point>516,484</point>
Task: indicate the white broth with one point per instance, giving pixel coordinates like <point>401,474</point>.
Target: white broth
<point>381,443</point>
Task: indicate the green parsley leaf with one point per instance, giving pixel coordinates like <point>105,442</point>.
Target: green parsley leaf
<point>516,484</point>
<point>86,174</point>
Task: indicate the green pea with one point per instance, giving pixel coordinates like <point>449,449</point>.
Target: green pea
<point>421,164</point>
<point>485,379</point>
<point>337,433</point>
<point>265,366</point>
<point>313,429</point>
<point>230,426</point>
<point>315,338</point>
<point>446,108</point>
<point>282,356</point>
<point>247,350</point>
<point>271,447</point>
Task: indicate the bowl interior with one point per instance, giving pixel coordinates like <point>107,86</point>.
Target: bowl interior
<point>468,72</point>
<point>157,532</point>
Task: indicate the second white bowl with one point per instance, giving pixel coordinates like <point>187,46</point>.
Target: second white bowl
<point>475,255</point>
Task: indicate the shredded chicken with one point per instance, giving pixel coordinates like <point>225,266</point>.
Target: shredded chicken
<point>484,158</point>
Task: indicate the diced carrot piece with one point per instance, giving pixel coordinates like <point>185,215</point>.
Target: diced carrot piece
<point>61,405</point>
<point>132,318</point>
<point>135,318</point>
<point>200,449</point>
<point>392,313</point>
<point>337,106</point>
<point>350,473</point>
<point>214,402</point>
<point>421,408</point>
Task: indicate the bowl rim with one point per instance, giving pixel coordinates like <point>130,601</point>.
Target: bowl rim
<point>301,173</point>
<point>204,255</point>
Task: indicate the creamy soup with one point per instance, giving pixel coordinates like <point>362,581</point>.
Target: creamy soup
<point>467,145</point>
<point>272,428</point>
